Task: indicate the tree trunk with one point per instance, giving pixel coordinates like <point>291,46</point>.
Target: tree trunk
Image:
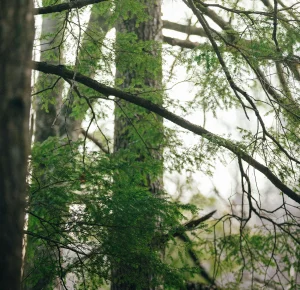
<point>37,268</point>
<point>89,56</point>
<point>16,40</point>
<point>137,130</point>
<point>41,264</point>
<point>47,119</point>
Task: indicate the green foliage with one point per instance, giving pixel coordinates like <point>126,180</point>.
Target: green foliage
<point>129,9</point>
<point>79,206</point>
<point>98,208</point>
<point>140,61</point>
<point>258,251</point>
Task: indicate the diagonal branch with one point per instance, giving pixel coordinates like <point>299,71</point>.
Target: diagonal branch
<point>107,91</point>
<point>95,140</point>
<point>181,43</point>
<point>203,273</point>
<point>65,6</point>
<point>194,223</point>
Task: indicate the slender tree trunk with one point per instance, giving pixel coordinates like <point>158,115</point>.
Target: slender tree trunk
<point>89,56</point>
<point>139,131</point>
<point>40,267</point>
<point>47,118</point>
<point>16,40</point>
<point>39,262</point>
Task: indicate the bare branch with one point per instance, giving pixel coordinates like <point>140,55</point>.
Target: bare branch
<point>179,42</point>
<point>95,140</point>
<point>65,6</point>
<point>191,30</point>
<point>202,272</point>
<point>194,223</point>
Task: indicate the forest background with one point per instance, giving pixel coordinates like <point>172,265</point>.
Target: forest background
<point>126,202</point>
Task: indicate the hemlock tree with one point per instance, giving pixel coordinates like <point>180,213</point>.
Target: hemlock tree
<point>16,40</point>
<point>136,74</point>
<point>246,62</point>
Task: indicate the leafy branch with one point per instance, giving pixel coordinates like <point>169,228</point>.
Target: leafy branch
<point>107,91</point>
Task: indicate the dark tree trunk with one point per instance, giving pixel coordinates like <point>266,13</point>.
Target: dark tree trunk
<point>132,127</point>
<point>16,40</point>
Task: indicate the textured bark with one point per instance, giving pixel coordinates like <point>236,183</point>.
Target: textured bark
<point>150,30</point>
<point>16,39</point>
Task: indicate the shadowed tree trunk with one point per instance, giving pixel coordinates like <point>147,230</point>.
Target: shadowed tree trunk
<point>136,130</point>
<point>16,40</point>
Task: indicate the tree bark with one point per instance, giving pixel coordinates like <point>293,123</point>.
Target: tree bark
<point>16,41</point>
<point>142,143</point>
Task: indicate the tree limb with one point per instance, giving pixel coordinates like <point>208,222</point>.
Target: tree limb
<point>95,140</point>
<point>188,29</point>
<point>194,223</point>
<point>65,6</point>
<point>179,42</point>
<point>202,272</point>
<point>235,148</point>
